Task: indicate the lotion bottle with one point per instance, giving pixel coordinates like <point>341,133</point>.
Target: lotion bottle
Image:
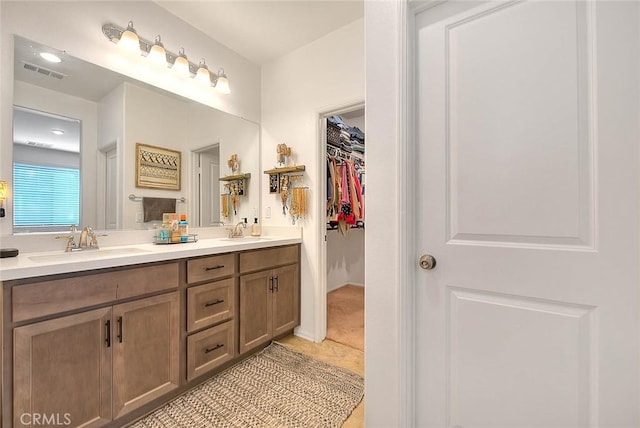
<point>183,225</point>
<point>256,229</point>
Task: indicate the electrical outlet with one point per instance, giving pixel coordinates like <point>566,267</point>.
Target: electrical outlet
<point>268,213</point>
<point>138,217</point>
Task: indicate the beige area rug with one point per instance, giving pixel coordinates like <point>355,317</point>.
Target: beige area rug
<point>276,387</point>
<point>345,316</point>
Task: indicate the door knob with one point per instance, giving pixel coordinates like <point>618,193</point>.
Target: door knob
<point>427,262</point>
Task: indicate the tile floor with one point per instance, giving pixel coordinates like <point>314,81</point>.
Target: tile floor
<point>336,354</point>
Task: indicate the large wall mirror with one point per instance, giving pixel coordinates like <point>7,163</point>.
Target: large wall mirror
<point>76,126</point>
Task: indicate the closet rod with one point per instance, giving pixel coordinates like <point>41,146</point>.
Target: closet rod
<point>341,154</point>
<point>133,197</point>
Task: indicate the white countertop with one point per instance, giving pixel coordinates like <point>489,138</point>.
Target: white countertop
<point>34,264</point>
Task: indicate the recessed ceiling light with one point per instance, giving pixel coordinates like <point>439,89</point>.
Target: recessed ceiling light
<point>57,131</point>
<point>50,57</point>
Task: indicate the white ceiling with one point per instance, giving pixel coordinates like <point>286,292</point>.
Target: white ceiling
<point>262,30</point>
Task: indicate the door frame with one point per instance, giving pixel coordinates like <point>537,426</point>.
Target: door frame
<point>321,197</point>
<point>406,188</point>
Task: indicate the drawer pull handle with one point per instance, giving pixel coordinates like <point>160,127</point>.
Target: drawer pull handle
<point>206,305</point>
<point>218,346</point>
<point>107,336</point>
<point>213,267</point>
<point>276,284</point>
<point>120,329</point>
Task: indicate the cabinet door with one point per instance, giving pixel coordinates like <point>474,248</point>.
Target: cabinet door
<point>146,350</point>
<point>62,371</point>
<point>286,299</point>
<point>255,310</point>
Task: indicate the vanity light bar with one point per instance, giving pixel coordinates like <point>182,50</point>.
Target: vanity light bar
<point>114,32</point>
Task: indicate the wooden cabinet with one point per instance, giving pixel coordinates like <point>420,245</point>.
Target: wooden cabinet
<point>146,351</point>
<point>269,299</point>
<point>104,347</point>
<point>72,366</point>
<point>62,369</point>
<point>211,306</point>
<point>210,303</point>
<point>88,368</point>
<point>210,348</point>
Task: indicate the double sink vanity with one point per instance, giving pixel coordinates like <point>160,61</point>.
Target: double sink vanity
<point>102,337</point>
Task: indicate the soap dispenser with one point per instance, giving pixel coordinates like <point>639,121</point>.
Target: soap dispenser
<point>256,229</point>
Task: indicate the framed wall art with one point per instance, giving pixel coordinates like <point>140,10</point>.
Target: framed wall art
<point>157,168</point>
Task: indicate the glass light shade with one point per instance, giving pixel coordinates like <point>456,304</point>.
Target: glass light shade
<point>129,39</point>
<point>50,57</point>
<point>222,84</point>
<point>157,54</point>
<point>181,65</point>
<point>202,75</point>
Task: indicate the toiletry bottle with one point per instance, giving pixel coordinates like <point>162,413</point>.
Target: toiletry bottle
<point>183,226</point>
<point>255,228</point>
<point>175,230</point>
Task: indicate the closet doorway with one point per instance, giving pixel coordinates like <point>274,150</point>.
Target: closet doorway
<point>343,146</point>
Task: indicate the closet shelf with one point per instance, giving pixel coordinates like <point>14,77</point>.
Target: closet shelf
<point>285,170</point>
<point>235,177</point>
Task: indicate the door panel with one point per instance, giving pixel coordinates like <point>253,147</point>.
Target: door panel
<point>286,299</point>
<point>256,314</point>
<point>517,133</point>
<point>146,350</point>
<point>62,369</point>
<point>527,142</point>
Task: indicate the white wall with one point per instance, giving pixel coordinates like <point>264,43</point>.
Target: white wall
<point>385,362</point>
<point>234,136</point>
<point>327,73</point>
<point>77,28</point>
<point>146,113</point>
<point>345,258</point>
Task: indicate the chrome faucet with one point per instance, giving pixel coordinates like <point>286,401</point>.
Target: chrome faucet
<point>237,232</point>
<point>87,241</point>
<point>71,243</point>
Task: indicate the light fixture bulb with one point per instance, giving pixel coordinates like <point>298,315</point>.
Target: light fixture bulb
<point>222,83</point>
<point>181,64</point>
<point>202,75</point>
<point>157,54</point>
<point>3,190</point>
<point>129,39</point>
<point>50,57</point>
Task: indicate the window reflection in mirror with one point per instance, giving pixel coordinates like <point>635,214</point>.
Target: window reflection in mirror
<point>46,171</point>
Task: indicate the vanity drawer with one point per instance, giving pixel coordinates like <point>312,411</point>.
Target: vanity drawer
<point>209,349</point>
<point>144,280</point>
<point>212,267</point>
<point>211,303</point>
<point>50,297</point>
<point>268,258</point>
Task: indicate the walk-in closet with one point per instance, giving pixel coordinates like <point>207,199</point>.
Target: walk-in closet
<point>345,222</point>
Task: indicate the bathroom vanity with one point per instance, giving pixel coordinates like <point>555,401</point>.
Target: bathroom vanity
<point>102,339</point>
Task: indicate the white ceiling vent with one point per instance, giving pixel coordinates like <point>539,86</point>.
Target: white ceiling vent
<point>44,71</point>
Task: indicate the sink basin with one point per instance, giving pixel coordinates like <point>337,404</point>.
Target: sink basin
<point>246,239</point>
<point>86,254</point>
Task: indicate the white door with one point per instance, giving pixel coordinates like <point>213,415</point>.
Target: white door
<point>209,187</point>
<point>527,138</point>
